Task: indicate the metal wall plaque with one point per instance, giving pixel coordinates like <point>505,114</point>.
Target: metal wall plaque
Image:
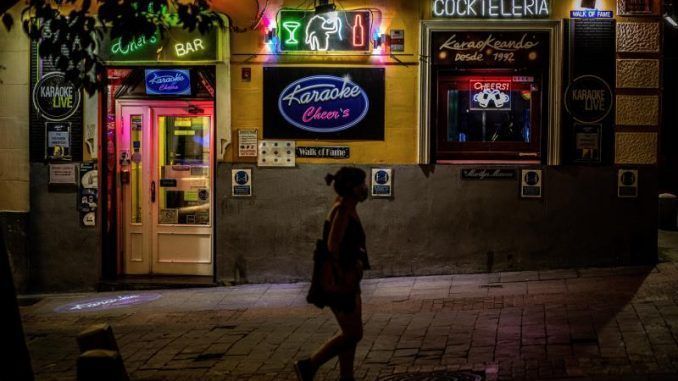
<point>382,182</point>
<point>531,183</point>
<point>488,174</point>
<point>241,182</point>
<point>627,183</point>
<point>324,152</point>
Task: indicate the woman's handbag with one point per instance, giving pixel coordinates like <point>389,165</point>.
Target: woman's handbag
<point>329,279</point>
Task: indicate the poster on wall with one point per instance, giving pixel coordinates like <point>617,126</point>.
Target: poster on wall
<point>323,103</point>
<point>88,194</point>
<point>588,142</point>
<point>58,142</point>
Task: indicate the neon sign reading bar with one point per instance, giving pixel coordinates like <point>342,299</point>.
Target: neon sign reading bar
<point>491,8</point>
<point>335,31</point>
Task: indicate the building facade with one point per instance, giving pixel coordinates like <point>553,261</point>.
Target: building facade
<point>497,136</point>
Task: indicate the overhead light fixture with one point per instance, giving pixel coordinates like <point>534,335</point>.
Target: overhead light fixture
<point>588,4</point>
<point>324,6</point>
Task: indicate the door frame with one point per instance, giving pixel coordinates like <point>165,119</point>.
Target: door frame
<point>152,103</point>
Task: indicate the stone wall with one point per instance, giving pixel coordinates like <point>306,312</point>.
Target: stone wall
<point>438,223</point>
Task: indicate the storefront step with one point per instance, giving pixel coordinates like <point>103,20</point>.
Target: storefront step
<point>156,282</point>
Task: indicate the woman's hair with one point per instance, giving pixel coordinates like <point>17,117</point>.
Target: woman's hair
<point>346,179</point>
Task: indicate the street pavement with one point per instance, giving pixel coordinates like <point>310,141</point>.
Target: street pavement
<point>573,324</point>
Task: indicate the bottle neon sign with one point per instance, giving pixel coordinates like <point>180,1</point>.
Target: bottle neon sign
<point>491,8</point>
<point>334,31</point>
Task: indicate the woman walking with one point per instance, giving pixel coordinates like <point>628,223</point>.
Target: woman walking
<point>346,258</point>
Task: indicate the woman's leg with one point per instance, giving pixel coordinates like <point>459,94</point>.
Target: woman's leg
<point>353,327</point>
<point>344,343</point>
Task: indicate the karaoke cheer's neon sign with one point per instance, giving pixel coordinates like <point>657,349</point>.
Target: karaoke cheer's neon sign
<point>335,31</point>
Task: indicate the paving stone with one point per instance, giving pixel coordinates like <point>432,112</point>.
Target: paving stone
<point>600,324</point>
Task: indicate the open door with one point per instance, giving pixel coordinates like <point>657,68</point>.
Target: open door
<point>166,176</point>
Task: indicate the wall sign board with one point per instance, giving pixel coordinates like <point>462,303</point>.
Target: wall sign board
<point>324,152</point>
<point>590,14</point>
<point>588,142</point>
<point>88,193</point>
<point>627,183</point>
<point>178,45</point>
<point>531,183</point>
<point>55,98</point>
<point>241,182</point>
<point>335,31</point>
<point>491,8</point>
<point>62,174</point>
<point>588,99</point>
<point>58,143</point>
<point>247,143</point>
<point>488,174</point>
<point>382,182</point>
<point>323,103</point>
<point>491,49</point>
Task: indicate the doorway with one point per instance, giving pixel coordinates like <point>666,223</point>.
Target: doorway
<point>166,182</point>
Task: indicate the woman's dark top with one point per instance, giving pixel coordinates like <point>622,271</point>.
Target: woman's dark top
<point>351,250</point>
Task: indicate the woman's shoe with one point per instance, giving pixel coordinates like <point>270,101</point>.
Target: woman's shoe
<point>304,370</point>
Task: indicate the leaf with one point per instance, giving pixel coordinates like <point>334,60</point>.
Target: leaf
<point>8,21</point>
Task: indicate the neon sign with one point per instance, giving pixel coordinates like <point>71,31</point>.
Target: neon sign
<point>491,8</point>
<point>188,47</point>
<point>334,31</point>
<point>137,43</point>
<point>177,45</point>
<point>323,103</point>
<point>168,82</point>
<point>490,95</point>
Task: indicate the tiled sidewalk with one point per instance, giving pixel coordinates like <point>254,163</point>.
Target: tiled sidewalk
<point>593,324</point>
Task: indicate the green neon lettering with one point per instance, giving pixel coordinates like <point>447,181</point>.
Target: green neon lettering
<point>291,28</point>
<point>136,44</point>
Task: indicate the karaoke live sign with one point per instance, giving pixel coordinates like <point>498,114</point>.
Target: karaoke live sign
<point>335,31</point>
<point>323,103</point>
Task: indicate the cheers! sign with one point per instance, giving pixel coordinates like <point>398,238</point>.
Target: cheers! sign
<point>324,103</point>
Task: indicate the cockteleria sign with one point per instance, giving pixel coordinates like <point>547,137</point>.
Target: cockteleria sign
<point>315,103</point>
<point>491,8</point>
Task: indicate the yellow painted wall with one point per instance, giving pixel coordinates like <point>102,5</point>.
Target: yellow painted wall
<point>14,115</point>
<point>401,84</point>
<point>400,144</point>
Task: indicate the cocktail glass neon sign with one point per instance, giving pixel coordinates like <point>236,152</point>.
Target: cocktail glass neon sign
<point>291,28</point>
<point>335,31</point>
